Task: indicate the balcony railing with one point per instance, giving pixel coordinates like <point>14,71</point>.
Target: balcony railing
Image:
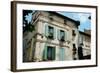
<point>50,36</point>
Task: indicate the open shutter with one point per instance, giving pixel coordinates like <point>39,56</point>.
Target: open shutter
<point>58,34</point>
<point>54,33</point>
<point>45,52</point>
<point>46,29</point>
<point>53,53</point>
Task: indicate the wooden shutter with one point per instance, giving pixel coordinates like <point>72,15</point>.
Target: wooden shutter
<point>54,33</point>
<point>62,54</point>
<point>58,34</point>
<point>46,29</point>
<point>53,53</point>
<point>45,52</point>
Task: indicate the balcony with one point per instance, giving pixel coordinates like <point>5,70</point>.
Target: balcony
<point>62,39</point>
<point>50,36</point>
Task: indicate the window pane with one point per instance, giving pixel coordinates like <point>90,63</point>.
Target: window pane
<point>62,35</point>
<point>50,53</point>
<point>50,32</point>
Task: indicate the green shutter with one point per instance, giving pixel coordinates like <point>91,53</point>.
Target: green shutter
<point>54,33</point>
<point>62,54</point>
<point>53,53</point>
<point>46,29</point>
<point>45,52</point>
<point>58,34</point>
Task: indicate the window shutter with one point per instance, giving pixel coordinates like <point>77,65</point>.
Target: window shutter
<point>45,52</point>
<point>62,54</point>
<point>65,35</point>
<point>58,34</point>
<point>54,33</point>
<point>46,29</point>
<point>53,53</point>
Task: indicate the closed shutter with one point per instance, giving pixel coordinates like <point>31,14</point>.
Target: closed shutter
<point>62,54</point>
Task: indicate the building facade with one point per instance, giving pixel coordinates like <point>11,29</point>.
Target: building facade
<point>85,44</point>
<point>55,38</point>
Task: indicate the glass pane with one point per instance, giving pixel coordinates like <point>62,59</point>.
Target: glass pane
<point>51,53</point>
<point>62,35</point>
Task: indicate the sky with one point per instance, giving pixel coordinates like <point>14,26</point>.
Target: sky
<point>85,22</point>
<point>28,17</point>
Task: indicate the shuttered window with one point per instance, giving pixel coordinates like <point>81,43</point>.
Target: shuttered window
<point>49,53</point>
<point>62,35</point>
<point>50,31</point>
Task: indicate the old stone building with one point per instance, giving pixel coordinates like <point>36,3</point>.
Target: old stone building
<point>55,38</point>
<point>85,44</point>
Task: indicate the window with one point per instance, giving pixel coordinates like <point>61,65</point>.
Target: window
<point>51,16</point>
<point>73,32</point>
<point>65,21</point>
<point>87,39</point>
<point>74,51</point>
<point>74,48</point>
<point>50,32</point>
<point>49,53</point>
<point>62,35</point>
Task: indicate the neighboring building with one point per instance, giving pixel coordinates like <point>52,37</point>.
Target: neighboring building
<point>55,38</point>
<point>85,44</point>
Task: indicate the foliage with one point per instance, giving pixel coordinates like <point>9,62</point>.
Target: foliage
<point>27,26</point>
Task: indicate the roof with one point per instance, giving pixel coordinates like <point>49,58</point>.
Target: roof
<point>62,16</point>
<point>65,17</point>
<point>84,33</point>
